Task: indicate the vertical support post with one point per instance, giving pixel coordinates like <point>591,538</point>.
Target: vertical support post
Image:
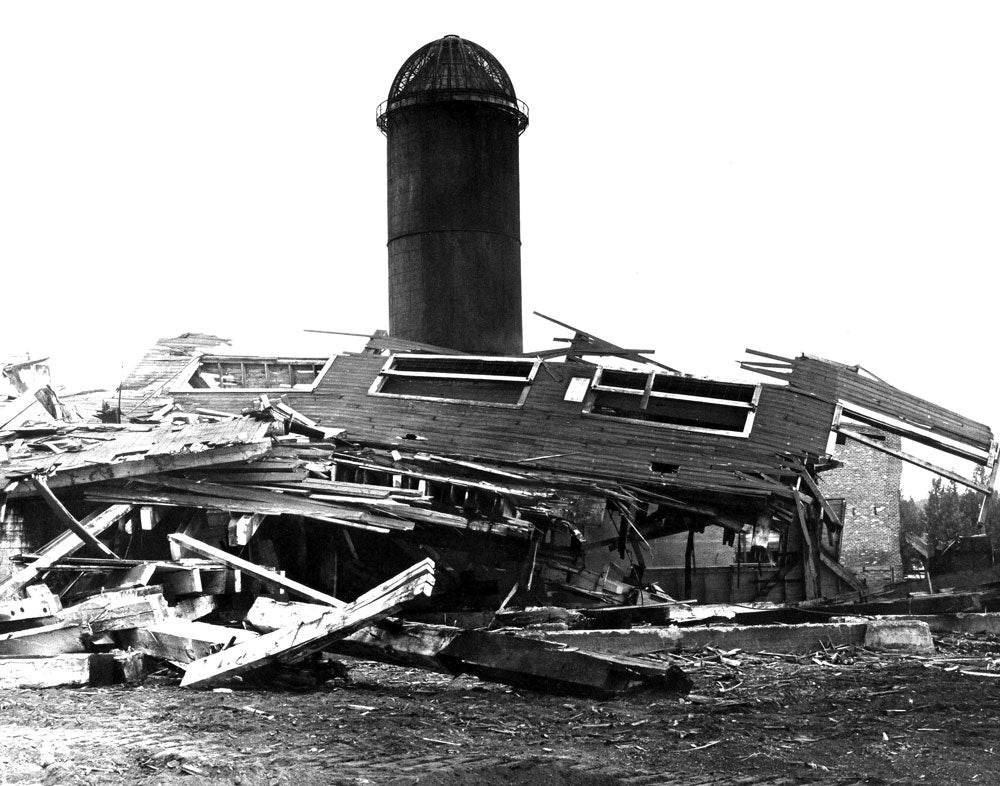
<point>809,552</point>
<point>689,562</point>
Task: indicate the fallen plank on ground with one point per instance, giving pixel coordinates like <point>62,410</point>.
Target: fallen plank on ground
<point>292,643</point>
<point>44,640</point>
<point>71,670</point>
<point>45,672</point>
<point>497,657</point>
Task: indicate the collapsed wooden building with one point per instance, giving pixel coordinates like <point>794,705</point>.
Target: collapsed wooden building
<point>529,480</point>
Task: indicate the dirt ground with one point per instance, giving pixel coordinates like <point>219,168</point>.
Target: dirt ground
<point>846,717</point>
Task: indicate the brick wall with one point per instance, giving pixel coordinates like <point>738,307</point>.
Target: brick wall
<point>12,537</point>
<point>25,525</point>
<point>709,550</point>
<point>869,485</point>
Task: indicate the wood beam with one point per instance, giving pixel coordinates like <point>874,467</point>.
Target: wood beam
<point>147,465</point>
<point>842,573</point>
<point>828,510</point>
<point>513,660</point>
<point>922,434</point>
<point>267,576</point>
<point>183,641</point>
<point>242,527</point>
<point>811,574</point>
<point>758,353</point>
<point>67,518</point>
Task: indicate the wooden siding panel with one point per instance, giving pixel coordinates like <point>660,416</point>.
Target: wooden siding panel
<point>842,382</point>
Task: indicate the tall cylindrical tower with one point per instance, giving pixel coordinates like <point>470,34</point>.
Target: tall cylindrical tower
<point>452,121</point>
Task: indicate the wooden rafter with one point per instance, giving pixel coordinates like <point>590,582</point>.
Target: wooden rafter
<point>584,343</point>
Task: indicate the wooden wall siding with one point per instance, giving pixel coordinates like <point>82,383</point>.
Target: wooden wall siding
<point>818,375</point>
<point>549,426</point>
<point>161,366</point>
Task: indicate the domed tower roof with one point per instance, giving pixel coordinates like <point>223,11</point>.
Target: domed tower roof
<point>452,69</point>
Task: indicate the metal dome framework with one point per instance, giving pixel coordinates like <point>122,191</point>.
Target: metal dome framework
<point>452,69</point>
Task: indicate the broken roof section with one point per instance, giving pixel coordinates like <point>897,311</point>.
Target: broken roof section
<point>658,428</point>
<point>655,427</point>
<point>860,396</point>
<point>77,454</point>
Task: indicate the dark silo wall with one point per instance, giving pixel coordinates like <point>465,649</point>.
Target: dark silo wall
<point>454,227</point>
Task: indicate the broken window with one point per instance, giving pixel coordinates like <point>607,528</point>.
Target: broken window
<point>491,381</point>
<point>675,401</point>
<point>226,372</point>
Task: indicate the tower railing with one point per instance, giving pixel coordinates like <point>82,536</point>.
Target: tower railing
<point>515,107</point>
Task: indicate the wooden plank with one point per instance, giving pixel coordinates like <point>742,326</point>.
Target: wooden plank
<point>244,499</point>
<point>52,639</point>
<point>556,668</point>
<point>916,432</point>
<point>345,517</point>
<point>350,489</point>
<point>147,465</point>
<point>242,527</point>
<point>513,660</point>
<point>45,672</point>
<point>298,641</point>
<point>138,575</point>
<point>38,606</point>
<point>195,607</point>
<point>766,372</point>
<point>183,641</point>
<point>810,568</point>
<point>255,478</point>
<point>828,510</point>
<point>267,576</point>
<point>267,614</point>
<point>992,465</point>
<point>842,573</point>
<point>147,518</point>
<point>184,581</point>
<point>116,611</point>
<point>758,353</point>
<point>67,518</point>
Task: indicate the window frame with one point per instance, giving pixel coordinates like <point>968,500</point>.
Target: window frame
<point>387,372</point>
<point>596,388</point>
<point>197,363</point>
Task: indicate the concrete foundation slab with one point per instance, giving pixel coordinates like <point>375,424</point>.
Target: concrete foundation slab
<point>900,635</point>
<point>791,639</point>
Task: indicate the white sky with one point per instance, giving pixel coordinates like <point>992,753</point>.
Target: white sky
<point>697,177</point>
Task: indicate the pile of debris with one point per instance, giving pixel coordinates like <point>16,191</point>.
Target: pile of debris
<point>204,484</point>
<point>101,638</point>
